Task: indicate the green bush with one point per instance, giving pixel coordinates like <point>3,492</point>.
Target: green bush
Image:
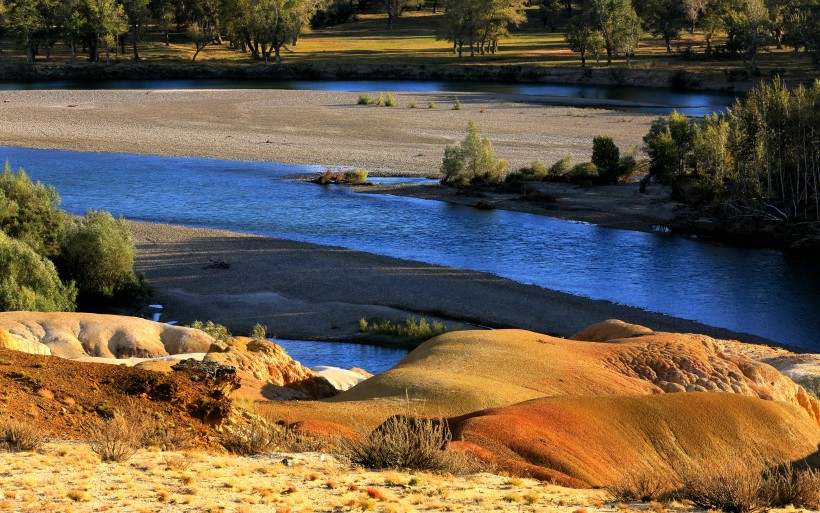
<point>97,252</point>
<point>389,101</point>
<point>365,99</point>
<point>472,162</point>
<point>218,331</point>
<point>560,168</point>
<point>29,281</point>
<point>583,174</point>
<point>607,157</point>
<point>259,332</point>
<point>456,104</point>
<point>411,328</point>
<point>29,212</point>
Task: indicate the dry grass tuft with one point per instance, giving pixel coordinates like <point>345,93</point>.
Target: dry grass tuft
<point>119,437</point>
<point>407,442</point>
<point>17,436</point>
<point>640,486</point>
<point>789,486</point>
<point>730,486</point>
<point>260,435</point>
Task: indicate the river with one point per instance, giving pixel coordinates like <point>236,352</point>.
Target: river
<point>756,291</point>
<point>638,99</point>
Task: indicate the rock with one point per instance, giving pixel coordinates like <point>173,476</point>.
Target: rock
<point>15,343</point>
<point>269,363</point>
<point>611,329</point>
<point>75,335</point>
<point>341,379</point>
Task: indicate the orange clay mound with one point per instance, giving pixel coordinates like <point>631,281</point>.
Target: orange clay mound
<point>598,440</point>
<point>463,372</point>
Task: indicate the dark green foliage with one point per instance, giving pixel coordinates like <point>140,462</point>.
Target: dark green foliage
<point>760,155</point>
<point>97,253</point>
<point>411,328</point>
<point>29,281</point>
<point>585,174</point>
<point>29,212</point>
<point>606,156</point>
<point>218,331</point>
<point>472,162</point>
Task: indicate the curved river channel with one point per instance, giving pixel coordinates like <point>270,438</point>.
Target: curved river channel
<point>754,291</point>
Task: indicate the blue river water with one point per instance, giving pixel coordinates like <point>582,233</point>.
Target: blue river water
<point>656,100</point>
<point>755,291</point>
<point>373,359</point>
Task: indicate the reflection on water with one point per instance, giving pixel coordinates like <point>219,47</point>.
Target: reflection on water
<point>657,100</point>
<point>748,290</point>
<point>373,359</point>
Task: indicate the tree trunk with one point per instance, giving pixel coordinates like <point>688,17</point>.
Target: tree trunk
<point>608,55</point>
<point>107,55</point>
<point>167,38</point>
<point>668,40</point>
<point>73,53</point>
<point>29,51</point>
<point>136,51</point>
<point>583,58</point>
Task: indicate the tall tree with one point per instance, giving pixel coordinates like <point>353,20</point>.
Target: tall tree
<point>583,38</point>
<point>106,21</point>
<point>395,8</point>
<point>26,20</point>
<point>478,24</point>
<point>138,15</point>
<point>663,18</point>
<point>550,12</point>
<point>693,10</point>
<point>618,24</point>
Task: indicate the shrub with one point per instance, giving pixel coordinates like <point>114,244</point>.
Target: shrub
<point>583,174</point>
<point>120,436</point>
<point>260,435</point>
<point>456,104</point>
<point>431,105</point>
<point>356,176</point>
<point>789,486</point>
<point>639,486</point>
<point>535,172</point>
<point>410,328</point>
<point>473,161</point>
<point>365,99</point>
<point>606,156</point>
<point>29,212</point>
<point>20,436</point>
<point>404,441</point>
<point>560,168</point>
<point>97,252</point>
<point>380,100</point>
<point>259,332</point>
<point>218,331</point>
<point>730,485</point>
<point>30,282</point>
<point>389,101</point>
<point>412,104</point>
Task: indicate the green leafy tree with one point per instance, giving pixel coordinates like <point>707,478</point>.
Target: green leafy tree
<point>668,144</point>
<point>473,161</point>
<point>662,18</point>
<point>618,24</point>
<point>606,156</point>
<point>550,12</point>
<point>478,25</point>
<point>582,38</point>
<point>395,8</point>
<point>267,26</point>
<point>748,29</point>
<point>106,20</point>
<point>25,19</point>
<point>97,253</point>
<point>138,15</point>
<point>29,282</point>
<point>29,212</point>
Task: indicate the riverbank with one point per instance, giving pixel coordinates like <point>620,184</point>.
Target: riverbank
<point>736,81</point>
<point>306,291</point>
<point>325,128</point>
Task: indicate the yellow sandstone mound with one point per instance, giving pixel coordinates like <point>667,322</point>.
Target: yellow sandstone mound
<point>77,335</point>
<point>15,343</point>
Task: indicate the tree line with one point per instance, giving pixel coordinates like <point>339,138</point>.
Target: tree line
<point>613,27</point>
<point>261,28</point>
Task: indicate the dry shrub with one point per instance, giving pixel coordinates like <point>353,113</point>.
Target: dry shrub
<point>789,486</point>
<point>122,434</point>
<point>168,438</point>
<point>407,442</point>
<point>260,435</point>
<point>640,486</point>
<point>18,436</point>
<point>732,485</point>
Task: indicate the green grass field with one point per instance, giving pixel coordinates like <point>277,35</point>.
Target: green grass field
<point>412,41</point>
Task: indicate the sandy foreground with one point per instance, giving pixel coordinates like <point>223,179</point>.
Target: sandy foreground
<point>306,127</point>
